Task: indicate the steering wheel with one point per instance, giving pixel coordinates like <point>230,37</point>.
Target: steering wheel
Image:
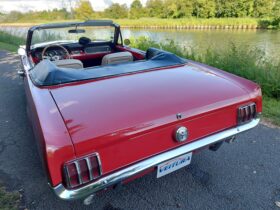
<point>56,57</point>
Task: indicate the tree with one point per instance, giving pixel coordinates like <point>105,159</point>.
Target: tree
<point>276,14</point>
<point>84,10</point>
<point>13,16</point>
<point>226,8</point>
<point>244,8</point>
<point>178,9</point>
<point>204,8</point>
<point>263,8</point>
<point>155,8</point>
<point>116,11</point>
<point>136,10</point>
<point>234,8</point>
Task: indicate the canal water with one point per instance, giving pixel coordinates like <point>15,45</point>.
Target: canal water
<point>266,40</point>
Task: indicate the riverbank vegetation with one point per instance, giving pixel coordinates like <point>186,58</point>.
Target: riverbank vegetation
<point>165,14</point>
<point>197,23</point>
<point>10,42</point>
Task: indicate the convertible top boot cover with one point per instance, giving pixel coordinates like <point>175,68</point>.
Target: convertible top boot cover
<point>47,73</point>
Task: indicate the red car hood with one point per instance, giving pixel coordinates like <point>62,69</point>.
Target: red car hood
<point>131,104</point>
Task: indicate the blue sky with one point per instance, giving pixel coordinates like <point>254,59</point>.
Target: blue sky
<point>27,5</point>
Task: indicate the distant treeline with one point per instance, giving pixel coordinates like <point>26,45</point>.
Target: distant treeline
<point>196,8</point>
<point>165,9</point>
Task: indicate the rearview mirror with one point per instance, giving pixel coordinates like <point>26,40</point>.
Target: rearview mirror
<point>77,31</point>
<point>127,42</point>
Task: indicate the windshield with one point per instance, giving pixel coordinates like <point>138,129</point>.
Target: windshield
<point>72,34</point>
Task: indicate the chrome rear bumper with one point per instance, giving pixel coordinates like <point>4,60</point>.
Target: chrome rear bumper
<point>137,168</point>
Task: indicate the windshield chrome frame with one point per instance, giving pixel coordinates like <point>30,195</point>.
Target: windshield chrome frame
<point>98,23</point>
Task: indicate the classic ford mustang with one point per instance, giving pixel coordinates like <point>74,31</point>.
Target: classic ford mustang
<point>104,113</point>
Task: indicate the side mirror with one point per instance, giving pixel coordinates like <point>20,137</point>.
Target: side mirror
<point>127,42</point>
<point>21,51</point>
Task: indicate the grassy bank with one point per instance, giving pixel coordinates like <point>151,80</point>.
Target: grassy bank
<point>195,23</point>
<point>10,42</point>
<point>271,109</point>
<point>182,23</point>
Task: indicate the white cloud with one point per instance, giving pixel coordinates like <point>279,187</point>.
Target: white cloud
<point>28,5</point>
<point>24,6</point>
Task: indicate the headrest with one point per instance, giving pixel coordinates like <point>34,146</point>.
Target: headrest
<point>84,41</point>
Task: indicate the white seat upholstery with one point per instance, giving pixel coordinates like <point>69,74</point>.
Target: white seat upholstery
<point>115,58</point>
<point>69,63</point>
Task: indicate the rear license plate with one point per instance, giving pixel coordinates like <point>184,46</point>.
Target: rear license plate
<point>173,165</point>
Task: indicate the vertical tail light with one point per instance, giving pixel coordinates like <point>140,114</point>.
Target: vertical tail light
<point>82,170</point>
<point>247,113</point>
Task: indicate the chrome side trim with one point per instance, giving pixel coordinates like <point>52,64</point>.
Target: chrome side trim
<point>67,176</point>
<point>132,170</point>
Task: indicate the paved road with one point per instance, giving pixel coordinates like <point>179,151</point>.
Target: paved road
<point>244,175</point>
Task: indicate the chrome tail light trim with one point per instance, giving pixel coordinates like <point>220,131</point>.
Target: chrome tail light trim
<point>99,163</point>
<point>119,176</point>
<point>89,168</point>
<point>76,163</point>
<point>78,172</point>
<point>247,113</point>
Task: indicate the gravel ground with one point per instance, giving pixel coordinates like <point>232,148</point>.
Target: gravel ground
<point>242,175</point>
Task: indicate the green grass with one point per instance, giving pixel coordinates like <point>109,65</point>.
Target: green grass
<point>10,42</point>
<point>271,110</point>
<point>190,22</point>
<point>8,47</point>
<point>9,200</point>
<point>219,23</point>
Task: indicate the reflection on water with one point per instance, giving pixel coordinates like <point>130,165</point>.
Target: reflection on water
<point>267,40</point>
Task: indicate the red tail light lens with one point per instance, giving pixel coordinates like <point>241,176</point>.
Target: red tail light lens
<point>247,113</point>
<point>82,170</point>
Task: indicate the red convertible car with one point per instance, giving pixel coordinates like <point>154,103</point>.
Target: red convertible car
<point>104,114</point>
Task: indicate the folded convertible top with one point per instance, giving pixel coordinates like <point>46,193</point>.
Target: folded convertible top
<point>46,73</point>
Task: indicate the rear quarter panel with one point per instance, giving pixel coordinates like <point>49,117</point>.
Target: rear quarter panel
<point>253,89</point>
<point>51,135</point>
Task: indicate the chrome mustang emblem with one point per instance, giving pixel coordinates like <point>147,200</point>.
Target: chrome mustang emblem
<point>179,116</point>
<point>181,134</point>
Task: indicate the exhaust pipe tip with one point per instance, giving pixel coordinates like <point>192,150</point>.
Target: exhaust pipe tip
<point>230,139</point>
<point>89,200</point>
<point>216,146</point>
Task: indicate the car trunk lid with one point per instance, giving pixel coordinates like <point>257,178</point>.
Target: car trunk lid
<point>128,118</point>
